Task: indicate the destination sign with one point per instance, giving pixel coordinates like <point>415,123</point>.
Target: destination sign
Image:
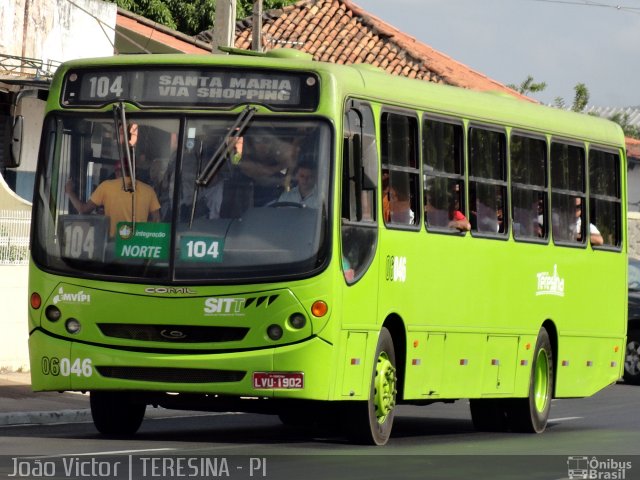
<point>188,87</point>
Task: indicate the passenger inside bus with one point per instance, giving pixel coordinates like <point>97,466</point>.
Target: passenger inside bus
<point>396,203</point>
<point>452,218</point>
<point>267,163</point>
<point>528,220</point>
<point>594,233</point>
<point>304,192</point>
<point>118,203</point>
<point>457,219</point>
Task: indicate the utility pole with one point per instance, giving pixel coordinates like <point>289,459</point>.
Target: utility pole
<point>256,38</point>
<point>224,26</point>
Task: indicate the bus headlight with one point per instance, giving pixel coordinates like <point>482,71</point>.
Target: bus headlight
<point>72,325</point>
<point>52,313</point>
<point>274,332</point>
<point>297,321</point>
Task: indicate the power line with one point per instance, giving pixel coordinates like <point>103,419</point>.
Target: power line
<point>587,3</point>
<point>117,33</point>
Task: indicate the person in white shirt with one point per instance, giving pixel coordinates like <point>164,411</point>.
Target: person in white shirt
<point>305,191</point>
<point>594,233</point>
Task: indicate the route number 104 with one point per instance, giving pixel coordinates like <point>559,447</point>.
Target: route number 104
<point>201,249</point>
<point>103,86</point>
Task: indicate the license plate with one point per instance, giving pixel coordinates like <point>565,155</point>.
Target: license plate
<point>281,380</point>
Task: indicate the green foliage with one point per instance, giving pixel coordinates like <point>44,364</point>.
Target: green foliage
<point>193,16</point>
<point>244,8</point>
<point>156,10</point>
<point>622,119</point>
<point>528,86</point>
<point>581,97</point>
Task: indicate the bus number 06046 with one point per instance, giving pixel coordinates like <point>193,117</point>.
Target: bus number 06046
<point>81,367</point>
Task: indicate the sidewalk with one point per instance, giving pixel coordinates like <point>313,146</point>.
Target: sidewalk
<point>19,405</point>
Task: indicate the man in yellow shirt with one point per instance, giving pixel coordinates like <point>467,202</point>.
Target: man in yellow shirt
<point>120,205</point>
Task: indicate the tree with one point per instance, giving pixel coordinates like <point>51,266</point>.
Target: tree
<point>190,17</point>
<point>622,119</point>
<point>528,86</point>
<point>580,98</point>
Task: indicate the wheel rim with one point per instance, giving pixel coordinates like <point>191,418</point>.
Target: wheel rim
<point>541,383</point>
<point>385,387</point>
<point>632,358</point>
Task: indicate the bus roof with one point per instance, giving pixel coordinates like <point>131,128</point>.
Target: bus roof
<point>371,83</point>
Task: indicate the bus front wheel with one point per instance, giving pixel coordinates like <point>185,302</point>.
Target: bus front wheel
<point>531,414</point>
<point>371,422</point>
<point>115,413</point>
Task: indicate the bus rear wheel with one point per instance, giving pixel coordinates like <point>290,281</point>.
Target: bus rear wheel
<point>489,415</point>
<point>371,422</point>
<point>532,413</point>
<point>115,413</point>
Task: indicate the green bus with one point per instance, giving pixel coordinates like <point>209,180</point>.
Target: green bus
<point>320,241</point>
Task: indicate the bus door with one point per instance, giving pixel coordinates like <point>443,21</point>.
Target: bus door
<point>359,236</point>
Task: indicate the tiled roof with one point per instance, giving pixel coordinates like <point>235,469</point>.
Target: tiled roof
<point>339,31</point>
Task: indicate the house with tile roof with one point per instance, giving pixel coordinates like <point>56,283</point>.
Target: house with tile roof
<point>339,31</point>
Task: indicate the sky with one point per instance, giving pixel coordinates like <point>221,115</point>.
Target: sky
<point>560,42</point>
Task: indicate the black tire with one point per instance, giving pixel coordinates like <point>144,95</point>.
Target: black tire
<point>489,415</point>
<point>114,413</point>
<point>632,358</point>
<point>298,419</point>
<point>370,422</point>
<point>531,414</point>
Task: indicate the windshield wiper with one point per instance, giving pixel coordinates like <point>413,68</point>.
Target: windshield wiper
<point>226,146</point>
<point>125,153</point>
<point>222,153</point>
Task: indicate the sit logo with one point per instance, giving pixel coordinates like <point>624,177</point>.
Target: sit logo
<point>224,306</point>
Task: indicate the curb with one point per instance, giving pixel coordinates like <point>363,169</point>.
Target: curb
<point>43,418</point>
<point>15,419</point>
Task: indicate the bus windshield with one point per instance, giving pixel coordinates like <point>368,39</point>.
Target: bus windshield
<point>196,198</point>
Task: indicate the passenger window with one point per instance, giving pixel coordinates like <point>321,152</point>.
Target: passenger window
<point>400,173</point>
<point>444,205</point>
<point>604,197</point>
<point>488,182</point>
<point>529,188</point>
<point>568,215</point>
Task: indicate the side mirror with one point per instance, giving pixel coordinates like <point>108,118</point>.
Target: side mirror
<point>13,143</point>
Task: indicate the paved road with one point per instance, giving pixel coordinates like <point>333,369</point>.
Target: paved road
<point>436,441</point>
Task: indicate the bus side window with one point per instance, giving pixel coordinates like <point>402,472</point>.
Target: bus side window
<point>568,194</point>
<point>400,172</point>
<point>488,182</point>
<point>529,188</point>
<point>605,205</point>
